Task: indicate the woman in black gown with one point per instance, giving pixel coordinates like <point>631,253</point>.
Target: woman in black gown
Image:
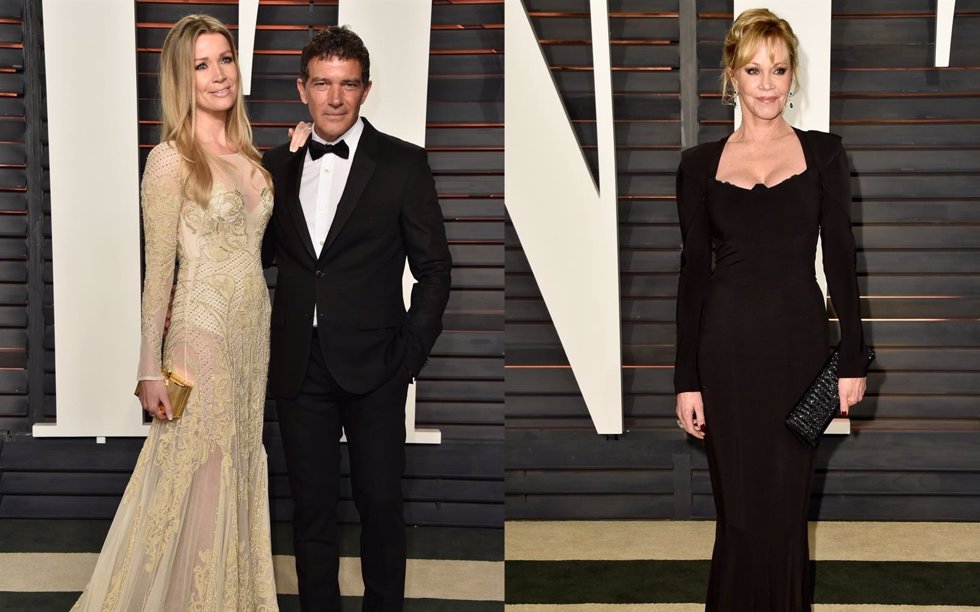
<point>752,329</point>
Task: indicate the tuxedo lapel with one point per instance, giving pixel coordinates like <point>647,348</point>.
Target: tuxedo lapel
<point>361,169</point>
<point>292,177</point>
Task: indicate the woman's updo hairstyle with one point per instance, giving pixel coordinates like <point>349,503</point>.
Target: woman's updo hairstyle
<point>753,28</point>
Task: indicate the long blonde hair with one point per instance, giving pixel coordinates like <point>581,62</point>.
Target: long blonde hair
<point>752,28</point>
<point>178,100</point>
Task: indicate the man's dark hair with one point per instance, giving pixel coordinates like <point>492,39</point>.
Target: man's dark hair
<point>336,41</point>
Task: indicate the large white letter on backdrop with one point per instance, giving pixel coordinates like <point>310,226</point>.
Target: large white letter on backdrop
<point>568,227</point>
<point>248,20</point>
<point>94,215</point>
<point>945,9</point>
<point>94,211</point>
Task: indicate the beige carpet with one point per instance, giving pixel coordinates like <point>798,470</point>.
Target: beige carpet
<point>692,540</point>
<point>425,578</point>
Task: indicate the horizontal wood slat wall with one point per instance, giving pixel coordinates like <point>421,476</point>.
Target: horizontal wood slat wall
<point>912,134</point>
<point>18,183</point>
<point>460,392</point>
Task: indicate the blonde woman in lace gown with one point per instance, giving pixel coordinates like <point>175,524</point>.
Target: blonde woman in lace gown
<point>192,530</point>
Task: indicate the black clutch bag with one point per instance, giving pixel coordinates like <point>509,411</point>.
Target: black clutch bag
<point>811,416</point>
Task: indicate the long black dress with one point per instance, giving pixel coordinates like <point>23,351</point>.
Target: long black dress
<point>752,335</point>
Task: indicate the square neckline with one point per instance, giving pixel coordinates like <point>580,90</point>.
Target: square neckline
<point>762,186</point>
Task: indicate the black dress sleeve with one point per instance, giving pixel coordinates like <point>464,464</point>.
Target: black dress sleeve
<point>695,272</point>
<point>839,258</point>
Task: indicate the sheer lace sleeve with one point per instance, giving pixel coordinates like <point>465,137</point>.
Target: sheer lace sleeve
<point>161,201</point>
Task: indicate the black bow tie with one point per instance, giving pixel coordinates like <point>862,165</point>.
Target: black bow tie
<point>319,149</point>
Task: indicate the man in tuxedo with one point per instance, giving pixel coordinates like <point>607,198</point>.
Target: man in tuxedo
<point>350,205</point>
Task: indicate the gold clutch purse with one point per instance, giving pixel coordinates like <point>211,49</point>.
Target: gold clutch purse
<point>178,390</point>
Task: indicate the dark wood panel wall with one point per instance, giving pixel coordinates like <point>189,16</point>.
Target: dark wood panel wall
<point>912,134</point>
<point>18,183</point>
<point>459,482</point>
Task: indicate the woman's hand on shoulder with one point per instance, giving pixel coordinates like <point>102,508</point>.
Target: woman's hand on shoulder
<point>690,413</point>
<point>154,399</point>
<point>851,391</point>
<point>298,135</point>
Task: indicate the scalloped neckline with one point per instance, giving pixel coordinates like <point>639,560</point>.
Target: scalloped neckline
<point>763,186</point>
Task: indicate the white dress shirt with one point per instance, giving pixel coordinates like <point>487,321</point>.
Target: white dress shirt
<point>323,184</point>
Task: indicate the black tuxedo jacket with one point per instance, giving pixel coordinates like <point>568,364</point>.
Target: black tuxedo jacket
<point>388,211</point>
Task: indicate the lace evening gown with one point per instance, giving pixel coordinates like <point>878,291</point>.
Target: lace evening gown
<point>192,530</point>
<point>752,336</point>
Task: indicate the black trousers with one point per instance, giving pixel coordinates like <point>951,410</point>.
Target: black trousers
<point>311,427</point>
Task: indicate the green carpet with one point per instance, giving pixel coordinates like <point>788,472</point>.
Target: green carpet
<point>653,581</point>
<point>39,535</point>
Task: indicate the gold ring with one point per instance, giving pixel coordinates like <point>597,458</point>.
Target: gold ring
<point>680,424</point>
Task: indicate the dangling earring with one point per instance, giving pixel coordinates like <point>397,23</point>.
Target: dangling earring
<point>791,100</point>
<point>731,98</point>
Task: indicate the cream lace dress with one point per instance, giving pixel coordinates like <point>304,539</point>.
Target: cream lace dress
<point>192,530</point>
